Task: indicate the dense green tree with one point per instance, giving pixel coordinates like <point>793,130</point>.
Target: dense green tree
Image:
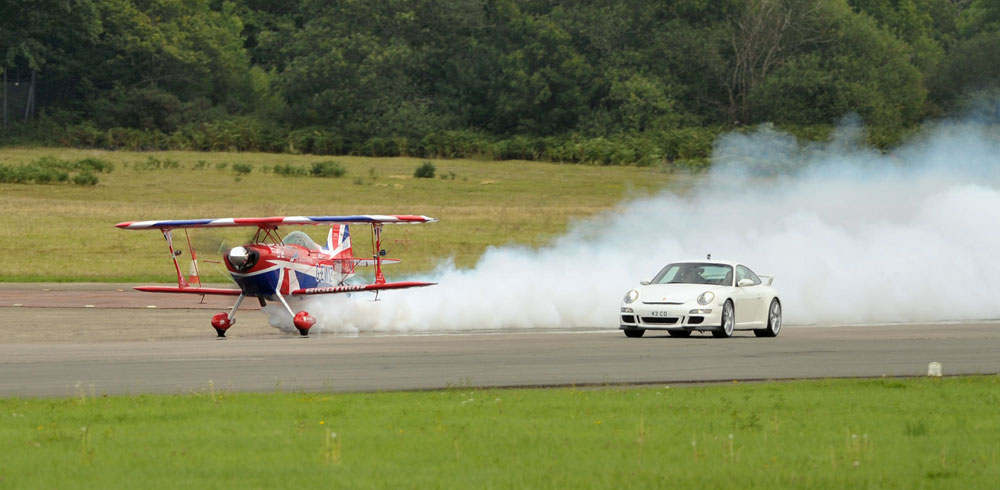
<point>926,26</point>
<point>48,41</point>
<point>182,46</point>
<point>381,76</point>
<point>636,87</point>
<point>349,67</point>
<point>868,72</point>
<point>544,84</point>
<point>161,63</point>
<point>971,70</point>
<point>763,36</point>
<point>36,33</point>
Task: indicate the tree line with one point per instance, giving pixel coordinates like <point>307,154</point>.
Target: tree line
<point>603,81</point>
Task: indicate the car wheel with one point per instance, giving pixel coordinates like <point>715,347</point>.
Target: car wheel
<point>773,321</point>
<point>728,321</point>
<point>634,333</point>
<point>679,333</point>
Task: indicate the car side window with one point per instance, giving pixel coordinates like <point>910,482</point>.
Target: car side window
<point>744,273</point>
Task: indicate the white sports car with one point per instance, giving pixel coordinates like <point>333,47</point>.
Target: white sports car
<point>718,296</point>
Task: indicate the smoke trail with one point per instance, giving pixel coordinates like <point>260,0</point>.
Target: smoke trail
<point>851,235</point>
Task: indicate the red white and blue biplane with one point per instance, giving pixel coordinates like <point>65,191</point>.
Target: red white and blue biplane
<point>271,268</point>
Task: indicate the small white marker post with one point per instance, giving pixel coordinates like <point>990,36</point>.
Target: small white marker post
<point>934,369</point>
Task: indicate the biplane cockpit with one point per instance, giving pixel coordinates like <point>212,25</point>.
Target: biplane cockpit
<point>301,239</point>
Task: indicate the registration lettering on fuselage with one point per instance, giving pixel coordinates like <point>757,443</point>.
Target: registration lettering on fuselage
<point>324,273</point>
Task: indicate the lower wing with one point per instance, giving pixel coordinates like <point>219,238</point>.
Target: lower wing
<point>297,292</point>
<point>189,290</point>
<point>366,287</point>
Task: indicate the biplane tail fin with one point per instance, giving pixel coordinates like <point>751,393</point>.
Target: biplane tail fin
<point>338,242</point>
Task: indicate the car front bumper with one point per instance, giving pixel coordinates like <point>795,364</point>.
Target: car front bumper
<point>686,316</point>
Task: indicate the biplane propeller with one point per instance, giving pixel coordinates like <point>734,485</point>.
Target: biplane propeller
<point>270,267</point>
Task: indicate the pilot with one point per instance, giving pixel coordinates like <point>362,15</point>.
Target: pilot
<point>693,275</point>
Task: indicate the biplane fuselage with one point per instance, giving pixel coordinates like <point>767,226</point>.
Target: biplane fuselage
<point>270,268</point>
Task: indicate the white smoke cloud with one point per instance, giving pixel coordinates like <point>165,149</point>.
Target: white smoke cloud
<point>852,236</point>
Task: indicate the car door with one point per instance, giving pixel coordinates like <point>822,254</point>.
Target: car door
<point>748,298</point>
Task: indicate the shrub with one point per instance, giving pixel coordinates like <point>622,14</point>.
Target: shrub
<point>134,139</point>
<point>44,175</point>
<point>10,175</point>
<point>288,171</point>
<point>327,144</point>
<point>94,165</point>
<point>424,171</point>
<point>315,141</point>
<point>45,170</point>
<point>242,168</point>
<point>84,134</point>
<point>85,178</point>
<point>378,147</point>
<point>153,163</point>
<point>456,144</point>
<point>517,148</point>
<point>687,143</point>
<point>329,168</point>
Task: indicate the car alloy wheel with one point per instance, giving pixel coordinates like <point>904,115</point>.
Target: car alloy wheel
<point>728,321</point>
<point>773,321</point>
<point>774,318</point>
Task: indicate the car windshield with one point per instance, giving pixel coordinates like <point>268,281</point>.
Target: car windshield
<point>695,273</point>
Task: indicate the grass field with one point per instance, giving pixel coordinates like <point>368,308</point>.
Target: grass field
<point>64,232</point>
<point>882,433</point>
<point>877,433</point>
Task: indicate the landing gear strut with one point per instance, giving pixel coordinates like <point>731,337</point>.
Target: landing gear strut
<point>223,321</point>
<point>302,320</point>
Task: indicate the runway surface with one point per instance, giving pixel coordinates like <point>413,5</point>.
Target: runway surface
<point>54,344</point>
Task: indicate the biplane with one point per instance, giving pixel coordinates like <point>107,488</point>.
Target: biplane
<point>271,267</point>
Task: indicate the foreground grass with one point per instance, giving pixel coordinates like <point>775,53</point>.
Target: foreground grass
<point>65,232</point>
<point>882,433</point>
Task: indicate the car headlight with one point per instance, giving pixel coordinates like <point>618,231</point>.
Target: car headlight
<point>631,296</point>
<point>706,298</point>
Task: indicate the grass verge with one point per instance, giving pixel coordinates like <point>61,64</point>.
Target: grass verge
<point>869,433</point>
<point>65,232</point>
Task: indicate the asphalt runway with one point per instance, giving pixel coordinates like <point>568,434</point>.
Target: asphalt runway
<point>74,340</point>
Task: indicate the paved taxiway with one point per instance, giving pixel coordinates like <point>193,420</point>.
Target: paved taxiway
<point>74,349</point>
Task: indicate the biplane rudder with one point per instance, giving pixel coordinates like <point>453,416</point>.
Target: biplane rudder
<point>338,242</point>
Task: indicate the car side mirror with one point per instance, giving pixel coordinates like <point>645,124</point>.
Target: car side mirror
<point>745,282</point>
<point>644,283</point>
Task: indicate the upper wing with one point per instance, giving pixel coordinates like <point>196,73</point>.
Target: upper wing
<point>274,221</point>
